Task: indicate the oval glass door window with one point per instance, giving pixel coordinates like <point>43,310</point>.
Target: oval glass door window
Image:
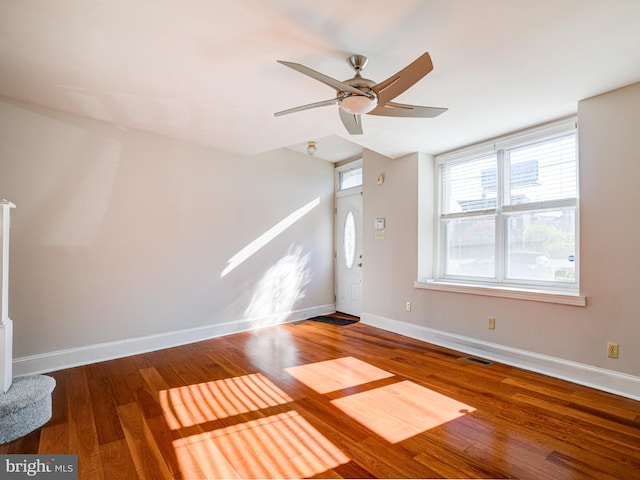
<point>349,239</point>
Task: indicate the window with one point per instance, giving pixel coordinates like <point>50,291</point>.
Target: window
<point>508,211</point>
<point>349,240</point>
<point>350,177</point>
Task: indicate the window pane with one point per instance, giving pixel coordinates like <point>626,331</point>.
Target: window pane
<point>470,185</point>
<point>351,178</point>
<point>541,246</point>
<point>508,208</point>
<point>349,240</point>
<point>470,247</point>
<point>544,171</point>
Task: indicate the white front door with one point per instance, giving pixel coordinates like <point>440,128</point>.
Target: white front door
<point>349,254</point>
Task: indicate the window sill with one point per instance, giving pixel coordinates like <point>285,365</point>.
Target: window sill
<point>548,296</point>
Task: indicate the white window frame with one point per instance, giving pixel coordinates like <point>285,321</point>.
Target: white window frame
<point>339,170</point>
<point>538,291</point>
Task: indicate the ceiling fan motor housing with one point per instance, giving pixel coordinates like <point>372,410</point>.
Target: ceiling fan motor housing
<point>358,104</point>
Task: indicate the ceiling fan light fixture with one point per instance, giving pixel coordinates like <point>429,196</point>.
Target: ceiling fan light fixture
<point>358,104</point>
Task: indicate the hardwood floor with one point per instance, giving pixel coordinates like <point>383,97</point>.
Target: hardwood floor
<point>314,400</point>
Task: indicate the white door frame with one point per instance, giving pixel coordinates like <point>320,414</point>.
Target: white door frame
<point>348,280</point>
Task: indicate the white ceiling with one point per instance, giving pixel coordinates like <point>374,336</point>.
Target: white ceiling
<point>206,71</point>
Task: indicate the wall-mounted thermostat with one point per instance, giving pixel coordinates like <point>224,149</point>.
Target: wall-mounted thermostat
<point>379,224</point>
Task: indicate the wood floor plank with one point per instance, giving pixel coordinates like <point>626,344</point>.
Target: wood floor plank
<point>146,456</point>
<point>83,437</point>
<point>117,372</point>
<point>108,428</point>
<point>165,439</point>
<point>348,470</point>
<point>28,443</point>
<point>582,468</point>
<point>155,382</point>
<point>117,461</point>
<point>54,439</point>
<point>59,408</point>
<point>447,463</point>
<point>238,406</point>
<point>597,419</point>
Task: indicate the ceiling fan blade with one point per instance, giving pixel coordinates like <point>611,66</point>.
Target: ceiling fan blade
<point>333,101</point>
<point>351,122</point>
<point>392,109</point>
<point>405,78</point>
<point>332,82</point>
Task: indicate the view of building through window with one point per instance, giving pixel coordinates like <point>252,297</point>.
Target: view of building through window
<point>510,215</point>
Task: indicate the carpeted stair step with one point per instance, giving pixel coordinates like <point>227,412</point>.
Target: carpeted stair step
<point>25,407</point>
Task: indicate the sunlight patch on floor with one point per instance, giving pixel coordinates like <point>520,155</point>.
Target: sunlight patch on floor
<point>242,427</point>
<point>401,410</point>
<point>206,402</point>
<point>278,446</point>
<point>337,374</point>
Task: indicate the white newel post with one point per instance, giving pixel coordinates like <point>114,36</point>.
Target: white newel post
<point>6,325</point>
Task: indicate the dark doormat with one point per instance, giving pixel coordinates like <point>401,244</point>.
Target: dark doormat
<point>333,320</point>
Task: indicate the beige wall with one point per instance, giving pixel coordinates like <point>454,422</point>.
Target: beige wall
<point>120,234</point>
<point>610,195</point>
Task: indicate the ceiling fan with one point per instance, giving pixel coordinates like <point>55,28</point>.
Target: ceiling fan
<point>357,96</point>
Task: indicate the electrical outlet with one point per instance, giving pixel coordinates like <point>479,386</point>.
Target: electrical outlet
<point>492,323</point>
<point>612,350</point>
<point>408,306</point>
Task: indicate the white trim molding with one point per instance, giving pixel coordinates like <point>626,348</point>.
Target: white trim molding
<point>6,324</point>
<point>506,291</point>
<point>599,378</point>
<point>73,357</point>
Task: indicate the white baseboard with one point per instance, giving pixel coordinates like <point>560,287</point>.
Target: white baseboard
<point>73,357</point>
<point>602,379</point>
